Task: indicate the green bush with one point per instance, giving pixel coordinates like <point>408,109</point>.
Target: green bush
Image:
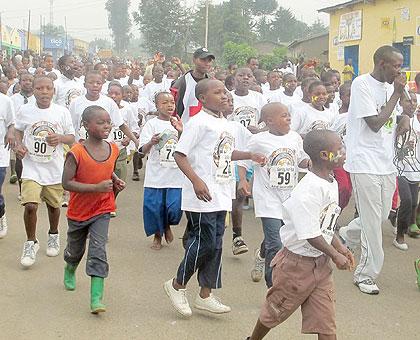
<point>234,53</point>
<point>271,61</point>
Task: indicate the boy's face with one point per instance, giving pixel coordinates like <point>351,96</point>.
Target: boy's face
<point>147,79</point>
<point>93,84</point>
<point>319,95</point>
<point>158,73</point>
<point>26,82</point>
<point>215,98</point>
<point>203,65</point>
<point>409,107</point>
<point>49,63</point>
<point>261,77</point>
<point>43,91</point>
<point>335,82</point>
<point>127,94</point>
<point>135,94</point>
<point>165,104</point>
<point>243,79</point>
<point>330,93</point>
<point>69,67</point>
<point>336,156</point>
<point>115,93</point>
<point>230,107</point>
<point>290,83</point>
<point>274,79</point>
<point>280,120</point>
<point>103,69</point>
<point>99,126</point>
<point>345,97</point>
<point>78,69</point>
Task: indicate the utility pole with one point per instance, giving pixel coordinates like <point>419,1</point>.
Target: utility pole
<point>65,29</point>
<point>29,29</point>
<point>206,37</point>
<point>51,12</point>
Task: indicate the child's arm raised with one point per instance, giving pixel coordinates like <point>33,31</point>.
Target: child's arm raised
<point>148,146</point>
<point>245,155</point>
<point>200,188</point>
<point>69,184</point>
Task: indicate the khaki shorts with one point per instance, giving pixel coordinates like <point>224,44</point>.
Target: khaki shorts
<point>300,281</point>
<point>33,192</point>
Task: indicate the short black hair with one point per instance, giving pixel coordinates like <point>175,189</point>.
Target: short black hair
<point>202,87</point>
<point>115,83</point>
<point>316,141</point>
<point>315,84</point>
<point>92,73</point>
<point>157,95</point>
<point>250,58</point>
<point>288,75</point>
<point>307,81</point>
<point>96,67</point>
<point>63,59</point>
<point>327,76</point>
<point>91,111</point>
<point>42,77</point>
<point>384,53</point>
<point>242,69</point>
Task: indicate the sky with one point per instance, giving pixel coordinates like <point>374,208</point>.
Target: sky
<point>87,19</point>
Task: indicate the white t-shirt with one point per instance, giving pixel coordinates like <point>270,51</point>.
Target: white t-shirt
<point>138,82</point>
<point>43,163</point>
<point>310,119</point>
<point>66,90</point>
<point>339,124</point>
<point>369,152</point>
<point>298,92</point>
<point>412,157</point>
<point>280,97</point>
<point>208,143</point>
<point>247,109</point>
<point>271,95</point>
<point>311,211</point>
<point>153,88</point>
<point>78,105</point>
<point>116,134</point>
<point>274,182</point>
<point>19,100</point>
<point>7,118</point>
<point>161,168</point>
<point>104,88</point>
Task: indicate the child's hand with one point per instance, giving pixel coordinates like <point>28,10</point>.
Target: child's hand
<point>176,60</point>
<point>119,184</point>
<point>125,141</point>
<point>341,261</point>
<point>259,158</point>
<point>20,150</point>
<point>9,140</point>
<point>253,129</point>
<point>350,257</point>
<point>155,139</point>
<point>201,190</point>
<point>176,122</point>
<point>105,186</point>
<point>244,188</point>
<point>53,139</point>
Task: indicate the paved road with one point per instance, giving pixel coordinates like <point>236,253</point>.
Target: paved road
<point>34,304</point>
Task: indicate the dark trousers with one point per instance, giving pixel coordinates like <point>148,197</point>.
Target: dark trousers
<point>409,192</point>
<point>203,251</point>
<point>2,204</point>
<point>97,228</point>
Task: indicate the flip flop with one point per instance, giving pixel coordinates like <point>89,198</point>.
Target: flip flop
<point>416,265</point>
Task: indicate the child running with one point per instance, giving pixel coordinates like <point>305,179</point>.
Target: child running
<point>162,180</point>
<point>204,154</point>
<point>88,175</point>
<point>41,131</point>
<point>274,182</point>
<point>302,275</point>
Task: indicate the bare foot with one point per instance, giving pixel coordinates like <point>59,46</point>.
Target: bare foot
<point>169,237</point>
<point>157,243</point>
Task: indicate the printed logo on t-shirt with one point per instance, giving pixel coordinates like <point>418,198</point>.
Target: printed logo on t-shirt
<point>281,168</point>
<point>246,115</point>
<point>70,95</point>
<point>166,146</point>
<point>328,221</point>
<point>38,148</point>
<point>222,157</point>
<point>318,125</point>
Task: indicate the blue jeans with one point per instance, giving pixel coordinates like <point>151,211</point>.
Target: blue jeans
<point>272,243</point>
<point>2,205</point>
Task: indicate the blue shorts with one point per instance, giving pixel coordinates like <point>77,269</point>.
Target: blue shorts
<point>249,173</point>
<point>161,207</point>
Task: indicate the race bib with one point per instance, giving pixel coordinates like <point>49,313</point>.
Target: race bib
<point>39,150</point>
<point>166,154</point>
<point>224,171</point>
<point>117,135</point>
<point>282,176</point>
<point>245,115</point>
<point>328,220</point>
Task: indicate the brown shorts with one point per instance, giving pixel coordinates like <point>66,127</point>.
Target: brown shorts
<point>301,281</point>
<point>33,192</point>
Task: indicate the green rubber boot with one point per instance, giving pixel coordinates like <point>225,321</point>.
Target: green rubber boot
<point>70,276</point>
<point>96,295</point>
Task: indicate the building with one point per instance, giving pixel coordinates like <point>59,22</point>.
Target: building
<point>11,39</point>
<point>359,27</point>
<point>265,47</point>
<point>313,47</point>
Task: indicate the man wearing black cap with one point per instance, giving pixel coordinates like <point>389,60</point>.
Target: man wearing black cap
<point>183,89</point>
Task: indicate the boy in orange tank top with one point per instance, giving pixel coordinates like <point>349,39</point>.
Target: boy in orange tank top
<point>89,176</point>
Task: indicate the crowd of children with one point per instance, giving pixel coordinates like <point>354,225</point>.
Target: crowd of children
<point>210,139</point>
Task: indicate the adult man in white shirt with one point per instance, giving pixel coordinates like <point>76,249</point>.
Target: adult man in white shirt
<point>370,139</point>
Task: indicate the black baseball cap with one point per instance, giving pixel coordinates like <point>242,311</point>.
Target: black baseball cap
<point>203,53</point>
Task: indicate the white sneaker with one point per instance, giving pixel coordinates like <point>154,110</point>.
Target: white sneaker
<point>53,245</point>
<point>368,286</point>
<point>259,264</point>
<point>211,304</point>
<point>400,246</point>
<point>3,226</point>
<point>113,214</point>
<point>30,248</point>
<point>178,298</point>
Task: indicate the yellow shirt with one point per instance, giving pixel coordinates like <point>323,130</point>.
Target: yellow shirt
<point>348,73</point>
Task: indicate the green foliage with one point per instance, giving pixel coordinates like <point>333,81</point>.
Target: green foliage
<point>119,22</point>
<point>164,26</point>
<point>237,53</point>
<point>54,31</point>
<point>100,43</point>
<point>271,61</point>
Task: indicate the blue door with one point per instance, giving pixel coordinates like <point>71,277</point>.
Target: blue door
<point>406,52</point>
<point>352,52</point>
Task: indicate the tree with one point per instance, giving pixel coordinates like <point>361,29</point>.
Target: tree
<point>237,53</point>
<point>54,31</point>
<point>119,22</point>
<point>317,27</point>
<point>271,61</point>
<point>100,44</point>
<point>163,26</point>
<point>285,27</point>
